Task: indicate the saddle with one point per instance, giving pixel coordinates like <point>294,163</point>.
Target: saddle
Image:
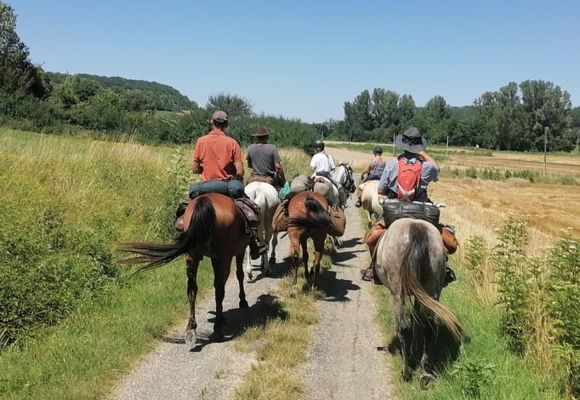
<point>337,219</point>
<point>249,209</point>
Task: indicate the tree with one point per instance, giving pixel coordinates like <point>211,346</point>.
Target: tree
<point>18,76</point>
<point>546,107</point>
<point>437,109</point>
<point>235,106</point>
<point>407,110</point>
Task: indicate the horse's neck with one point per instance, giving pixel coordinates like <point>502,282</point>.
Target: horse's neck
<point>339,173</point>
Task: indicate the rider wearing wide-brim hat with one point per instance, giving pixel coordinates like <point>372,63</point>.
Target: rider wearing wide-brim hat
<point>264,160</point>
<point>413,144</point>
<point>413,160</point>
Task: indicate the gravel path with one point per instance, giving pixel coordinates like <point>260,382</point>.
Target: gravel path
<point>210,370</point>
<point>344,360</point>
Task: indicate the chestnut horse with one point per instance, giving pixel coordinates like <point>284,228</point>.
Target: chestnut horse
<point>307,218</point>
<point>216,228</point>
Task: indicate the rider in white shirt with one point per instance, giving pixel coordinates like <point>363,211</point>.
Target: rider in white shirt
<point>322,163</point>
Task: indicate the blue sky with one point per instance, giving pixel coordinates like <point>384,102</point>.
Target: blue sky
<point>304,59</point>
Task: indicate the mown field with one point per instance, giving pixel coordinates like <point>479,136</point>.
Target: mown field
<point>517,278</point>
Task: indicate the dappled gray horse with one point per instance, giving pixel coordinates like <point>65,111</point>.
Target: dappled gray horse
<point>410,261</point>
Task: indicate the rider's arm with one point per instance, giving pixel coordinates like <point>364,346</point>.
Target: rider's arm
<point>237,157</point>
<point>197,168</point>
<point>428,158</point>
<point>386,175</point>
<point>313,163</point>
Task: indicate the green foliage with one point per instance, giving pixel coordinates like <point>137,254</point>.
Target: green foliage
<point>235,106</point>
<point>477,252</point>
<point>63,207</point>
<point>564,288</point>
<point>473,376</point>
<point>514,282</point>
<point>18,76</point>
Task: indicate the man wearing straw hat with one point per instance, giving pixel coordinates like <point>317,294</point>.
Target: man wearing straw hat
<point>264,160</point>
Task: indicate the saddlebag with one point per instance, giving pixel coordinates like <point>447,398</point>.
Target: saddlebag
<point>394,210</point>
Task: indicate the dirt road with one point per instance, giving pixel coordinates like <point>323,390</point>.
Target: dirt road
<point>210,370</point>
<point>344,361</point>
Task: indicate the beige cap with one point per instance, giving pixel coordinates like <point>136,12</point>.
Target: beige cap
<point>219,116</point>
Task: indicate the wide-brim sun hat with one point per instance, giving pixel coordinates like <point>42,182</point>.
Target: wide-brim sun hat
<point>261,132</point>
<point>411,140</point>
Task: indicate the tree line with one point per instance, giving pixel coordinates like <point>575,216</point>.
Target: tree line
<point>117,108</point>
<point>515,117</point>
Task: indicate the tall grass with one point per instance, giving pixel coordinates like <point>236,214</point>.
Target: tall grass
<point>72,319</point>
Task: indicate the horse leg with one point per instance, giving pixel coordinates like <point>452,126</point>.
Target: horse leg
<point>267,239</point>
<point>318,251</point>
<point>192,262</point>
<point>221,270</point>
<point>294,237</point>
<point>240,276</point>
<point>249,270</point>
<point>304,246</point>
<point>428,327</point>
<point>274,244</point>
<point>404,335</point>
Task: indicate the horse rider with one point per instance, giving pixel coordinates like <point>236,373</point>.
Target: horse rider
<point>407,178</point>
<point>373,171</point>
<point>322,163</point>
<point>264,160</point>
<point>218,158</point>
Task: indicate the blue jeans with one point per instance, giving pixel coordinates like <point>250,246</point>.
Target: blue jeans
<point>232,188</point>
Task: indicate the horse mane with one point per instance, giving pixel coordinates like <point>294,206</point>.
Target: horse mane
<point>415,261</point>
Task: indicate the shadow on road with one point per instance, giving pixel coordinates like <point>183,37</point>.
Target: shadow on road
<point>335,289</point>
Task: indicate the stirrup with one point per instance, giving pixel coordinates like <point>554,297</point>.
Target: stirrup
<point>449,276</point>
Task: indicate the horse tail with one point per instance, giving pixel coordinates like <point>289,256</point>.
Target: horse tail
<point>416,259</point>
<point>154,255</point>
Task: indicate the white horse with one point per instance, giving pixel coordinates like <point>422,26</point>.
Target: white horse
<point>343,175</point>
<point>370,200</point>
<point>265,196</point>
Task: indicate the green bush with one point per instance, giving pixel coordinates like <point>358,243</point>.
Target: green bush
<point>64,205</point>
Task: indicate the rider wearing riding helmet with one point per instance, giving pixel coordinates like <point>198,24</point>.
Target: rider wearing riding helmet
<point>322,163</point>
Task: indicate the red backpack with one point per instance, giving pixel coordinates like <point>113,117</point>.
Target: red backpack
<point>408,179</point>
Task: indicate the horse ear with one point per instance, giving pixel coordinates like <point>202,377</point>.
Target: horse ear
<point>349,164</point>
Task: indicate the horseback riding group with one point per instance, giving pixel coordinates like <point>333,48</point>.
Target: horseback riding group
<point>223,218</point>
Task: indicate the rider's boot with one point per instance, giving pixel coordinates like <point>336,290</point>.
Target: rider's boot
<point>449,274</point>
<point>257,245</point>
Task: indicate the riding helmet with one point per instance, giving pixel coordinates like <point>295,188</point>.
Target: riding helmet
<point>378,150</point>
<point>319,145</point>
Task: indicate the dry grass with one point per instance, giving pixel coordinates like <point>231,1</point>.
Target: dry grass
<point>280,345</point>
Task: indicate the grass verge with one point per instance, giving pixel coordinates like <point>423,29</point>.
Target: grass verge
<point>85,355</point>
<point>281,345</point>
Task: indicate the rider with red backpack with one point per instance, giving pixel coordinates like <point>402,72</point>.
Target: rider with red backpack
<point>406,178</point>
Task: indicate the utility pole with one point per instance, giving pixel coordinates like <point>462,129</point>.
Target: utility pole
<point>393,143</point>
<point>447,148</point>
<point>545,147</point>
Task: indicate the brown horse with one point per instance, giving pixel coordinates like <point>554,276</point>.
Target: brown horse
<point>307,218</point>
<point>217,228</point>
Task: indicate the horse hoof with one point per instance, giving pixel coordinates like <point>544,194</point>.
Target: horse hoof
<point>244,304</point>
<point>190,337</point>
<point>426,381</point>
<point>217,337</point>
<point>406,376</point>
<point>272,260</point>
<point>251,278</point>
